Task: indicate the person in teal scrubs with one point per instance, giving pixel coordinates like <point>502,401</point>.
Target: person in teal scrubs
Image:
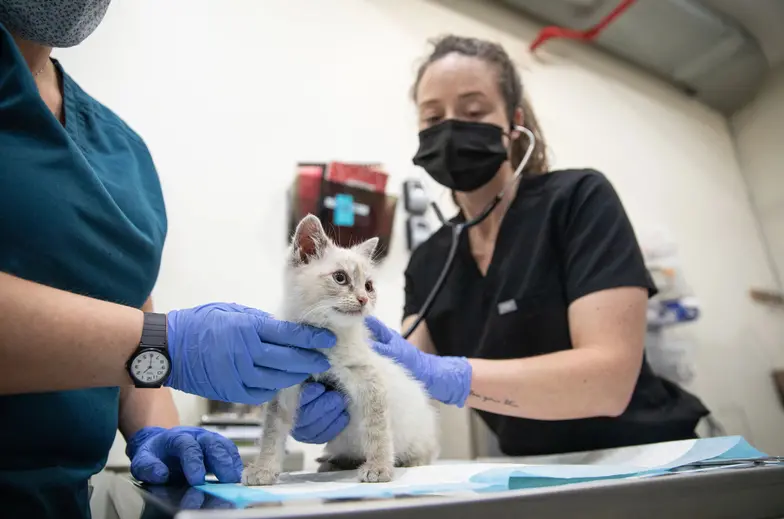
<point>82,228</point>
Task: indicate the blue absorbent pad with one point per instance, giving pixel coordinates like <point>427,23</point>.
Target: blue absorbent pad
<point>451,478</point>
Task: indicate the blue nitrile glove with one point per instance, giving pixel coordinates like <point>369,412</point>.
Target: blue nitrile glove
<point>447,379</point>
<point>161,455</point>
<point>232,353</point>
<point>322,414</point>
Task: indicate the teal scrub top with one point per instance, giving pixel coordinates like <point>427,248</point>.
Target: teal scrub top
<point>81,209</point>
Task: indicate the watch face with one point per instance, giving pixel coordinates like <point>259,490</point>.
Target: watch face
<point>150,367</point>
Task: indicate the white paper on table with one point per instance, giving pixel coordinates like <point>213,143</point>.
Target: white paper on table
<point>446,474</point>
<point>457,477</point>
<point>646,456</point>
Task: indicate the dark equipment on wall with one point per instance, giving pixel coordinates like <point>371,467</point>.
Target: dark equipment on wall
<point>349,199</point>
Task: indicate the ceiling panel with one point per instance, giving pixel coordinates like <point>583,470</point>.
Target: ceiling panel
<point>764,19</point>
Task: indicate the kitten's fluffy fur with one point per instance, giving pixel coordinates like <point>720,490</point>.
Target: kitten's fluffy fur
<point>392,420</point>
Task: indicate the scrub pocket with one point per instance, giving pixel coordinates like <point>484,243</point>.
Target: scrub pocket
<point>534,324</point>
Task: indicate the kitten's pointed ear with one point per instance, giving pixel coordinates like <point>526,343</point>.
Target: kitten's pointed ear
<point>309,240</point>
<point>367,247</point>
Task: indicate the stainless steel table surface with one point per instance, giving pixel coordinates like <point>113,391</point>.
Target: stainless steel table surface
<point>729,493</point>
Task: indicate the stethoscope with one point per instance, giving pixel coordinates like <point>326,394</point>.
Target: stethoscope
<point>458,228</point>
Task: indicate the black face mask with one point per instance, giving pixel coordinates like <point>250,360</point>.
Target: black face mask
<point>461,155</point>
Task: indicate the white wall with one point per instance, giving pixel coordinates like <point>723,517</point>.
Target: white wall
<point>230,94</point>
<point>759,133</point>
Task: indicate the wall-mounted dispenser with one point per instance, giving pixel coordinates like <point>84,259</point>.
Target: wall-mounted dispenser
<point>415,199</point>
<point>417,231</point>
<point>349,199</point>
<point>416,203</point>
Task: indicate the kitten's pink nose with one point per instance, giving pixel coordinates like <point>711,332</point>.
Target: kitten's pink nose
<point>362,300</point>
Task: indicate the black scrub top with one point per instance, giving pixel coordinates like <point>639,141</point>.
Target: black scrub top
<point>565,235</point>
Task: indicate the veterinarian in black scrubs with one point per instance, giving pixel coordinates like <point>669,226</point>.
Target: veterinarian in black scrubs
<point>540,326</point>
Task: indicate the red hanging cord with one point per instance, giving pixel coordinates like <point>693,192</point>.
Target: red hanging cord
<point>554,31</point>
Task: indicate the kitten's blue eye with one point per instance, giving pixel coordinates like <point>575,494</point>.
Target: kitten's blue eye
<point>340,277</point>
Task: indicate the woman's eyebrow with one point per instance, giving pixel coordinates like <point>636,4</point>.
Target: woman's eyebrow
<point>471,94</point>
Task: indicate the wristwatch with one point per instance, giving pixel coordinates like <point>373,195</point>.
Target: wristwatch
<point>150,364</point>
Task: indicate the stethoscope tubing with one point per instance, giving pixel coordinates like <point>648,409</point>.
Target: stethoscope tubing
<point>457,231</point>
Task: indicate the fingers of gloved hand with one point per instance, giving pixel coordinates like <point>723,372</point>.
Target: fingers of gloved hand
<point>249,396</point>
<point>276,380</point>
<point>295,335</point>
<point>224,307</point>
<point>184,447</point>
<point>378,329</point>
<point>138,440</point>
<point>323,430</point>
<point>147,467</point>
<point>283,358</point>
<point>417,363</point>
<point>309,392</point>
<point>335,428</point>
<point>250,375</point>
<point>235,455</point>
<point>327,407</point>
<point>220,457</point>
<point>386,350</point>
<point>257,376</point>
<point>247,310</point>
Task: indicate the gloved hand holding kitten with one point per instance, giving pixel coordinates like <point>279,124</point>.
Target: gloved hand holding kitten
<point>233,353</point>
<point>322,413</point>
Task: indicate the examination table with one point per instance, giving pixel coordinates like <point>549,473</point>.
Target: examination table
<point>740,491</point>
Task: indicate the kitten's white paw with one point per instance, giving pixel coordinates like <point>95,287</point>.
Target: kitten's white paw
<point>374,472</point>
<point>255,475</point>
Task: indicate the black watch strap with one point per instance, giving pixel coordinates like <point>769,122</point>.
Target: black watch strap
<point>154,337</point>
<point>154,331</point>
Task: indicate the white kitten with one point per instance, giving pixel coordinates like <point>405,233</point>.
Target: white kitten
<point>392,420</point>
